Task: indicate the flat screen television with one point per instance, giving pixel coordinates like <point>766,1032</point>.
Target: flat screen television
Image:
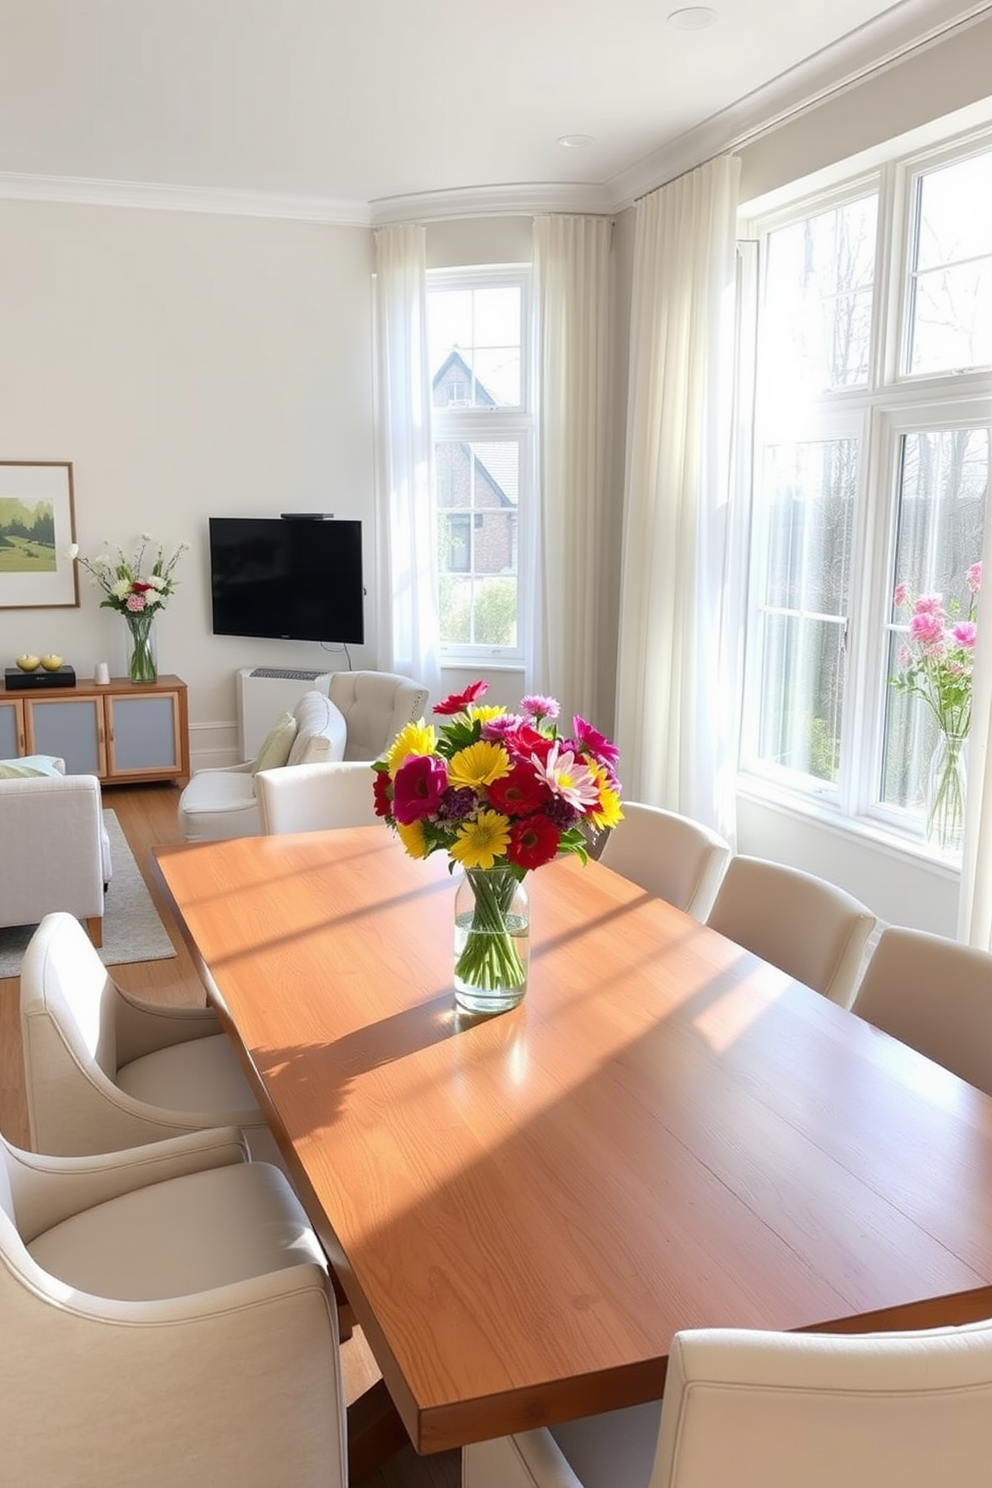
<point>296,580</point>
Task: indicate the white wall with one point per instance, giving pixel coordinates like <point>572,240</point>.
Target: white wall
<point>188,365</point>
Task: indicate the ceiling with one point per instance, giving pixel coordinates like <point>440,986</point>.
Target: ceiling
<point>359,104</point>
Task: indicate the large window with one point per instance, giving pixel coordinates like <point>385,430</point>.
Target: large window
<point>482,423</point>
<point>871,458</point>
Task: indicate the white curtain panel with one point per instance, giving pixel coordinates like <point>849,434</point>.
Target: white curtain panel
<point>975,901</point>
<point>565,615</point>
<point>677,682</point>
<point>406,548</point>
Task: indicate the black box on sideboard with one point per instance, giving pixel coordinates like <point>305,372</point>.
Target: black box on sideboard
<point>18,681</point>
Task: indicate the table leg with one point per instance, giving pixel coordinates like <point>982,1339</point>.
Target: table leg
<point>375,1432</point>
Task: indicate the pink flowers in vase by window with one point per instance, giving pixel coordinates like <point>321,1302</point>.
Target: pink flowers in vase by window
<point>937,659</point>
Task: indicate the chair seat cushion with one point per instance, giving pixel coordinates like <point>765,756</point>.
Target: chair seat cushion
<point>219,804</point>
<point>183,1236</point>
<point>201,1075</point>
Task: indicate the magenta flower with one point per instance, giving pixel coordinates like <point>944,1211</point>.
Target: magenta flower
<point>965,634</point>
<point>974,577</point>
<point>926,627</point>
<point>419,784</point>
<point>901,595</point>
<point>929,604</point>
<point>596,743</point>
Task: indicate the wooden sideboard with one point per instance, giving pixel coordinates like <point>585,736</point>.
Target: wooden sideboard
<point>123,732</point>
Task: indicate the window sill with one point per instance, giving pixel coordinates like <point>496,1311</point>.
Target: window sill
<point>872,833</point>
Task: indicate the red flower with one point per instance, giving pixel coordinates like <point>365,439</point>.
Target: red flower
<point>420,782</point>
<point>523,741</point>
<point>459,701</point>
<point>519,793</point>
<point>533,842</point>
<point>382,793</point>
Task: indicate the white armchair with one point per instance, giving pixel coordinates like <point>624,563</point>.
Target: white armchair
<point>54,850</point>
<point>166,1319</point>
<point>362,714</point>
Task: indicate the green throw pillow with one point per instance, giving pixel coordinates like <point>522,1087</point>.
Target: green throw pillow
<point>276,745</point>
<point>28,765</point>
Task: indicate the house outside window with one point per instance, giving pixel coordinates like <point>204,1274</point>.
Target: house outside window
<point>871,459</point>
<point>482,424</point>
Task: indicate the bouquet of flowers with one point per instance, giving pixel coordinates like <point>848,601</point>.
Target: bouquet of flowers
<point>133,585</point>
<point>500,793</point>
<point>936,662</point>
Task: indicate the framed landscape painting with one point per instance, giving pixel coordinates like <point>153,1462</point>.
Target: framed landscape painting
<point>37,526</point>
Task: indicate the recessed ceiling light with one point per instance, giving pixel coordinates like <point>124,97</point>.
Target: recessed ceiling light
<point>575,141</point>
<point>693,18</point>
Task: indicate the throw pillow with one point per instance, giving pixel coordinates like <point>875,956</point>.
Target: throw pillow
<point>28,765</point>
<point>274,751</point>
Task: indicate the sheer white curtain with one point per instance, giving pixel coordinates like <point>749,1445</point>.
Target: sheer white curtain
<point>406,557</point>
<point>975,902</point>
<point>564,615</point>
<point>677,688</point>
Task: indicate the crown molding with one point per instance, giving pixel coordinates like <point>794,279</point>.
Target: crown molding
<point>80,191</point>
<point>528,200</point>
<point>873,48</point>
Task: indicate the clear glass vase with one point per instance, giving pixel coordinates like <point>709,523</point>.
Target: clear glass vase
<point>141,665</point>
<point>947,784</point>
<point>492,940</point>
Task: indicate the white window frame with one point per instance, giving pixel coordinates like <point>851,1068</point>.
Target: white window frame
<point>892,403</point>
<point>491,425</point>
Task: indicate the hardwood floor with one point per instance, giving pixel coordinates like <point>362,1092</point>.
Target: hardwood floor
<point>147,814</point>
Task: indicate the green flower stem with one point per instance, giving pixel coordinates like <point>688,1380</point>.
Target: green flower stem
<point>142,666</point>
<point>489,959</point>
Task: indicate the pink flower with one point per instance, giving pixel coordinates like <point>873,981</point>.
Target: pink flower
<point>567,777</point>
<point>901,595</point>
<point>926,627</point>
<point>965,633</point>
<point>135,603</point>
<point>419,784</point>
<point>536,706</point>
<point>905,655</point>
<point>974,577</point>
<point>929,604</point>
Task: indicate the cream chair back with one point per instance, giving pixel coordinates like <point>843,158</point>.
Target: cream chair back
<point>672,856</point>
<point>808,927</point>
<point>314,797</point>
<point>376,705</point>
<point>935,995</point>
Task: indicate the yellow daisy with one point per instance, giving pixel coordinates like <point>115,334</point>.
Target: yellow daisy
<point>478,765</point>
<point>412,838</point>
<point>608,812</point>
<point>479,843</point>
<point>485,712</point>
<point>416,738</point>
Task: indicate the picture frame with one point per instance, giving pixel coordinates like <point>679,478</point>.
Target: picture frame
<point>37,528</point>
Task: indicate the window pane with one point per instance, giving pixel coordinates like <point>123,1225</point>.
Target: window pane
<point>951,284</point>
<point>816,327</point>
<point>474,341</point>
<point>477,484</point>
<point>942,496</point>
<point>803,578</point>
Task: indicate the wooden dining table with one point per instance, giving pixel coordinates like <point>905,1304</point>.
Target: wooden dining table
<point>667,1132</point>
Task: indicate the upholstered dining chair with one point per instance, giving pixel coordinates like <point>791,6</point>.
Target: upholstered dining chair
<point>313,797</point>
<point>935,995</point>
<point>104,1070</point>
<point>165,1317</point>
<point>802,924</point>
<point>672,856</point>
<point>778,1410</point>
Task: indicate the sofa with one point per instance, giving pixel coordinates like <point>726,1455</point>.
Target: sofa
<point>360,717</point>
<point>54,848</point>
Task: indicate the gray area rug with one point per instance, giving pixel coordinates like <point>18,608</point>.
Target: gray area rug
<point>132,930</point>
